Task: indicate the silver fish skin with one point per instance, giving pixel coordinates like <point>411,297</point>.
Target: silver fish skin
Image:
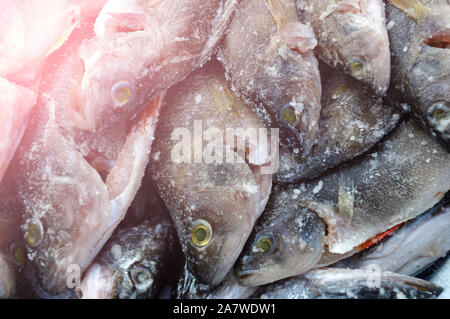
<point>276,71</point>
<point>403,177</point>
<point>352,121</point>
<point>287,240</point>
<point>220,199</point>
<point>420,35</point>
<point>190,288</point>
<point>135,263</point>
<point>146,48</point>
<point>411,249</point>
<point>333,283</point>
<point>352,36</point>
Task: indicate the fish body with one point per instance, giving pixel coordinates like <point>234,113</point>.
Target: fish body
<point>135,263</point>
<point>31,30</point>
<point>352,121</point>
<point>143,59</point>
<point>404,176</point>
<point>419,33</point>
<point>336,283</point>
<point>276,72</point>
<point>213,201</point>
<point>352,36</point>
<point>410,249</point>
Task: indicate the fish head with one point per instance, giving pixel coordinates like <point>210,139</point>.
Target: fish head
<point>107,88</point>
<point>430,73</point>
<point>286,246</point>
<point>213,241</point>
<point>365,54</point>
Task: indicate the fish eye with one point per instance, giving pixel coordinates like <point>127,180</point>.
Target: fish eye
<point>290,115</point>
<point>141,276</point>
<point>357,68</point>
<point>440,114</point>
<point>265,245</point>
<point>17,254</point>
<point>34,234</point>
<point>121,93</point>
<point>201,233</point>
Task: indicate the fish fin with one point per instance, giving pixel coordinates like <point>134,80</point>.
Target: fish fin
<point>299,36</point>
<point>74,18</point>
<point>76,106</point>
<point>440,39</point>
<point>378,237</point>
<point>342,6</point>
<point>413,8</point>
<point>281,13</point>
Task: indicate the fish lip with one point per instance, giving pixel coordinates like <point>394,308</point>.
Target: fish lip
<point>231,240</point>
<point>246,277</point>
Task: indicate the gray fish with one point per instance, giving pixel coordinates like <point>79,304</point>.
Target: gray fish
<point>190,288</point>
<point>352,36</point>
<point>276,70</point>
<point>214,202</point>
<point>411,249</point>
<point>135,263</point>
<point>406,175</point>
<point>141,48</point>
<point>336,283</point>
<point>287,240</point>
<point>419,31</point>
<point>351,122</point>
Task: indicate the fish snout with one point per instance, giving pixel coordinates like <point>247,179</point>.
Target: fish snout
<point>211,264</point>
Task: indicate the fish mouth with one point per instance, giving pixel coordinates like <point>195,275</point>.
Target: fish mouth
<point>228,254</point>
<point>249,277</point>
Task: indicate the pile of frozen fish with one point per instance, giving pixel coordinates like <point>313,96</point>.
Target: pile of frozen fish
<point>128,167</point>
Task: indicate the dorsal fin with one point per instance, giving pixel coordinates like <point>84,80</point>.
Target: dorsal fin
<point>413,8</point>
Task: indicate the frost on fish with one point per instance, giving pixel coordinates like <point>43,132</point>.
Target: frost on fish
<point>69,211</point>
<point>351,122</point>
<point>405,176</point>
<point>30,31</point>
<point>420,38</point>
<point>16,103</point>
<point>412,248</point>
<point>190,288</point>
<point>135,263</point>
<point>220,195</point>
<point>352,36</point>
<point>271,63</point>
<point>336,283</point>
<point>145,48</point>
<point>65,201</point>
